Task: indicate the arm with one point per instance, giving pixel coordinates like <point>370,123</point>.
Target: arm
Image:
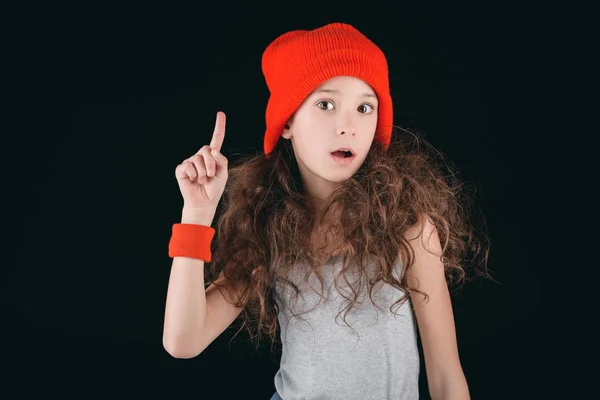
<point>435,319</point>
<point>185,310</point>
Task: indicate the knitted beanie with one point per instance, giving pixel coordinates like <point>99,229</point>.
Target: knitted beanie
<point>297,62</point>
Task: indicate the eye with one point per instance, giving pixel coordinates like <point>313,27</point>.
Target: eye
<point>367,105</point>
<point>324,101</point>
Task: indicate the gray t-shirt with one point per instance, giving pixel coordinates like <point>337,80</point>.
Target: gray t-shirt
<point>323,358</point>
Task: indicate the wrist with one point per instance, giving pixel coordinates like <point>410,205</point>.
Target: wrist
<point>197,216</point>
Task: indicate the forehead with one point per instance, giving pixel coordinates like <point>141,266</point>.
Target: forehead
<point>348,85</point>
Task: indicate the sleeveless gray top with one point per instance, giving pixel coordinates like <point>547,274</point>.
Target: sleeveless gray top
<point>322,358</point>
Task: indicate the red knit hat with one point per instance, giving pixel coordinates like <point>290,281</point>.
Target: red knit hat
<point>295,63</point>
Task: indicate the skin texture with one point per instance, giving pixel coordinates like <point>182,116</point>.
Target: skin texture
<point>435,318</point>
<point>326,121</point>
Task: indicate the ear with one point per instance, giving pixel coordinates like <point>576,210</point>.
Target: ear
<point>286,134</point>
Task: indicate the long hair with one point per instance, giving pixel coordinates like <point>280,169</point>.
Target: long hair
<point>266,222</point>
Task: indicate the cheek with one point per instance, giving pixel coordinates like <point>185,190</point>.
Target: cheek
<point>369,124</point>
<point>310,135</point>
<point>307,147</point>
<point>310,150</point>
<point>369,127</point>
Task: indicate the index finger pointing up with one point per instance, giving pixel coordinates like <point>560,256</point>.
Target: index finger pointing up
<point>219,132</point>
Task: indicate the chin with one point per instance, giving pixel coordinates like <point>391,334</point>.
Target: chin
<point>339,178</point>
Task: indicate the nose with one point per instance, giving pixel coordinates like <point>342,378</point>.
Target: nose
<point>346,124</point>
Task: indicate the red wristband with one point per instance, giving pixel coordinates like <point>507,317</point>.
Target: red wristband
<point>190,240</point>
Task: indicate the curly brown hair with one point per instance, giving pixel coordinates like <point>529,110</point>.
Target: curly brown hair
<point>267,223</point>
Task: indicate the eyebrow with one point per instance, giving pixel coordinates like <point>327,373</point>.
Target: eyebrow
<point>337,92</point>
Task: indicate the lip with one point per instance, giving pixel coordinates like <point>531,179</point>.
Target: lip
<point>346,148</point>
<point>343,160</point>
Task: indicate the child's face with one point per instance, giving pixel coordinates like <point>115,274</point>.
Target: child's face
<point>326,121</point>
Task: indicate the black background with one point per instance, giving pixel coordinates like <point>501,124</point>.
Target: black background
<point>108,102</point>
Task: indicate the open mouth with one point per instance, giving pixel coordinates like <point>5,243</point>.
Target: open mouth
<point>343,156</point>
<point>342,153</point>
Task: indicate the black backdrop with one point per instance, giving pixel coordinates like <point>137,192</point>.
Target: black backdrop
<point>109,100</point>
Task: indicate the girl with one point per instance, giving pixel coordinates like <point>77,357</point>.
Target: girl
<point>343,239</point>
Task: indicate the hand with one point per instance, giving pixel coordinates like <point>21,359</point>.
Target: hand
<point>202,177</point>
